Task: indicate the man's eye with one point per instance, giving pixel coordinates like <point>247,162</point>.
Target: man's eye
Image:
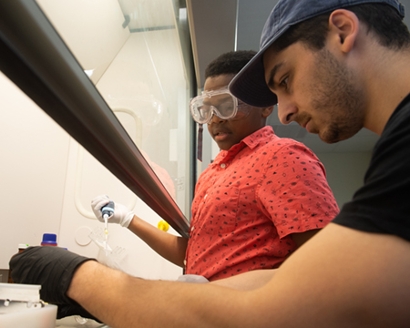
<point>284,82</point>
<point>225,107</point>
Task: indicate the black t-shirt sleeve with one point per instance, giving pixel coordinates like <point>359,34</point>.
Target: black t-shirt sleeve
<point>382,205</point>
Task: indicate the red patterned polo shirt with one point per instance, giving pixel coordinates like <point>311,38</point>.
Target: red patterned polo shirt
<point>250,200</point>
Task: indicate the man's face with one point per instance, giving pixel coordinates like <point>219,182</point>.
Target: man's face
<point>227,133</point>
<point>316,90</point>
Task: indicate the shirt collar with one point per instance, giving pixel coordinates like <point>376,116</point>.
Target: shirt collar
<point>251,141</point>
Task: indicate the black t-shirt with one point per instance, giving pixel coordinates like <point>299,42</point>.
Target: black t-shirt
<point>382,205</point>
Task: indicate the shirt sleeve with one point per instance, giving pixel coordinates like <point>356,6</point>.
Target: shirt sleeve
<point>295,192</point>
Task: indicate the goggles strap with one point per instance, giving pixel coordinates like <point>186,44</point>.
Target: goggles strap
<point>199,150</point>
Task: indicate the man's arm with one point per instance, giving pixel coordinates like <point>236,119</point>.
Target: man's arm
<point>339,278</point>
<point>248,280</point>
<point>169,246</point>
<point>127,302</point>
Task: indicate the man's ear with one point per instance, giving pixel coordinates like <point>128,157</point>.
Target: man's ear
<point>267,111</point>
<point>344,26</point>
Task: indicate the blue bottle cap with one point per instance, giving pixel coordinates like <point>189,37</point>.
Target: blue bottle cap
<point>49,238</point>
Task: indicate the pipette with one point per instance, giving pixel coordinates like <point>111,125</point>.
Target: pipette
<point>107,210</point>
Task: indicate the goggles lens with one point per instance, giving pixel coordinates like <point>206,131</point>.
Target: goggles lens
<point>220,103</point>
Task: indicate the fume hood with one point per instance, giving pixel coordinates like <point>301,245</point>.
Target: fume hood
<point>117,77</point>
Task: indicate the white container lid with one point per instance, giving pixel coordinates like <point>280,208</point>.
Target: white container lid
<point>22,246</point>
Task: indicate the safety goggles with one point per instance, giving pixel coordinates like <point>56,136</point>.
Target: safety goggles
<point>220,103</point>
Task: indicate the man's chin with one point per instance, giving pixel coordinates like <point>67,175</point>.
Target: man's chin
<point>333,138</point>
<point>329,138</point>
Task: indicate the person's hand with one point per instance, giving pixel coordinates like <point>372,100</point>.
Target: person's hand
<point>122,215</point>
<point>52,268</point>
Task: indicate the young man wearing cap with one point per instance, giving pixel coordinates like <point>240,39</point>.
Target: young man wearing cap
<point>355,271</point>
<point>259,200</point>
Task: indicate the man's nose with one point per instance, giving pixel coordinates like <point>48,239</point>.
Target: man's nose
<point>215,119</point>
<point>286,112</point>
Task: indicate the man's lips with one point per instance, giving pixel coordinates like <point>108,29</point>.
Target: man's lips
<point>220,135</point>
<point>303,124</point>
<point>308,126</point>
<point>217,132</point>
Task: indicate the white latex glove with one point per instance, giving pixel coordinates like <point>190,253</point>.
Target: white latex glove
<point>122,215</point>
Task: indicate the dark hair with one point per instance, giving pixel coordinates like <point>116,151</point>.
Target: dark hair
<point>229,63</point>
<point>381,19</point>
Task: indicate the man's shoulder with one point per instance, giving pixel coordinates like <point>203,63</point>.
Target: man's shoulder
<point>401,114</point>
<point>397,127</point>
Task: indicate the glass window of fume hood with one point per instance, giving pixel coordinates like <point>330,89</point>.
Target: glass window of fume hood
<point>137,56</point>
<point>136,53</point>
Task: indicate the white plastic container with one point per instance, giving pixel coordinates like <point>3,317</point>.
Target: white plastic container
<point>20,307</point>
<point>44,317</point>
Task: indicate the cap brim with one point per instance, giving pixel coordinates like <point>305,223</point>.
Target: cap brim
<point>249,84</point>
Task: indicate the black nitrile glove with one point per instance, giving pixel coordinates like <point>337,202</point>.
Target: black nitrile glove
<point>52,268</point>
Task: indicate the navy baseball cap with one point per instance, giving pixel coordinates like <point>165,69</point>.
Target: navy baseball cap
<point>249,84</point>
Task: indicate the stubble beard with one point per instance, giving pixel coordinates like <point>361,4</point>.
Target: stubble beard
<point>337,99</point>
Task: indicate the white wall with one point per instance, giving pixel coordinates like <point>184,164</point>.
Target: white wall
<point>33,171</point>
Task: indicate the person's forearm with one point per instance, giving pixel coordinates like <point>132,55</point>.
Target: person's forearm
<point>248,280</point>
<point>122,301</point>
<point>170,247</point>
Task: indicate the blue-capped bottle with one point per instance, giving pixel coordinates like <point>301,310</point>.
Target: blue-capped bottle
<point>49,239</point>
